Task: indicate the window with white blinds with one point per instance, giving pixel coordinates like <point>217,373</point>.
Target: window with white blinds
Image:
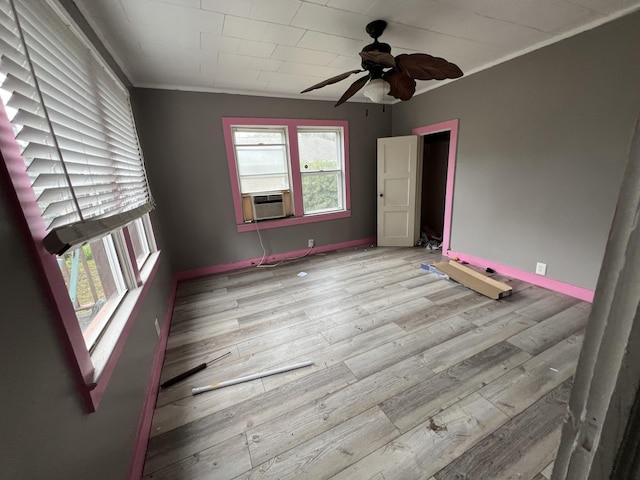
<point>73,121</point>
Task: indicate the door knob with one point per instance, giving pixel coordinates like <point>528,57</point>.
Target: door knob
<point>381,195</point>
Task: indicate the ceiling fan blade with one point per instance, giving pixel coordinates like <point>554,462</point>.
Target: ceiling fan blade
<point>332,80</point>
<point>402,86</point>
<point>379,58</point>
<point>422,66</point>
<point>355,86</point>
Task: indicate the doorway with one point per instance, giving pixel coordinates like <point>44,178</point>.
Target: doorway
<point>435,159</point>
<point>404,174</point>
<point>450,129</point>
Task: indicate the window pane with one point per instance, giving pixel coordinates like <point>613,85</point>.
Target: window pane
<point>95,285</point>
<point>261,160</point>
<point>321,192</point>
<point>258,137</point>
<point>139,241</point>
<point>270,183</point>
<point>319,150</point>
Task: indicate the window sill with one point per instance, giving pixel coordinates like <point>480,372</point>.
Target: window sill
<point>289,221</point>
<point>107,352</point>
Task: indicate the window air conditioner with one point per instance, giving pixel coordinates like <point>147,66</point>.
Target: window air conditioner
<point>268,205</point>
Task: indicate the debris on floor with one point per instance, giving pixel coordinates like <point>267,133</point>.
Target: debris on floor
<point>433,426</point>
<point>430,239</point>
<point>433,269</point>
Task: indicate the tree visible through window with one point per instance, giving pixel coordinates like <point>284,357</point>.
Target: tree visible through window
<point>321,166</point>
<point>95,284</point>
<point>305,163</point>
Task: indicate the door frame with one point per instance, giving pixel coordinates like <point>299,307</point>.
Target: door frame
<point>452,127</point>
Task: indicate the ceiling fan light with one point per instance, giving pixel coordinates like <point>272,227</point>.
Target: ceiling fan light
<point>376,90</point>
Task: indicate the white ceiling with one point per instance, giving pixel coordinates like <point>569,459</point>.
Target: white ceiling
<point>280,47</point>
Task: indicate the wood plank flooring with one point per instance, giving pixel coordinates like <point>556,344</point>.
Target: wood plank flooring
<point>414,376</point>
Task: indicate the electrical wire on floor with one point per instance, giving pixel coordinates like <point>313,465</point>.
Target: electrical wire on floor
<point>261,263</point>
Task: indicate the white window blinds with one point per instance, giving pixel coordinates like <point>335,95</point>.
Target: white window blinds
<point>73,121</point>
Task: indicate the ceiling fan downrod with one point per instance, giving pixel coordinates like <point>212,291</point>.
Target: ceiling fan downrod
<point>375,30</point>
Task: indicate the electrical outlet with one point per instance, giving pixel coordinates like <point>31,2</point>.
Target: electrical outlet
<point>312,243</point>
<point>157,327</point>
<point>541,268</point>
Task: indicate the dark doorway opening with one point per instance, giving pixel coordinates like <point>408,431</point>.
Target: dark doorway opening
<point>434,185</point>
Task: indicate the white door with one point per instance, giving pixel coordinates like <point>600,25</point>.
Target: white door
<point>399,182</point>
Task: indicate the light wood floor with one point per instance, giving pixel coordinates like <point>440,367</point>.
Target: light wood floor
<point>414,377</point>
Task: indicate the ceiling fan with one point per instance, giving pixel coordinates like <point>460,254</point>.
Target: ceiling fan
<point>389,75</point>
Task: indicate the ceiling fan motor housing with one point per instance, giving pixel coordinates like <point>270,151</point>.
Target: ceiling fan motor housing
<point>375,29</point>
<point>373,68</point>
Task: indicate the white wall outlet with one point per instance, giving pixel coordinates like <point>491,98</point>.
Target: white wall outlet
<point>312,243</point>
<point>157,327</point>
<point>541,268</point>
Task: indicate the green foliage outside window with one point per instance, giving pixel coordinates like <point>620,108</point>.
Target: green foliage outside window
<point>320,192</point>
<point>320,165</point>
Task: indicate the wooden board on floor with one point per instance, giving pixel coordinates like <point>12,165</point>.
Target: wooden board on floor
<point>331,451</point>
<point>521,448</point>
<point>390,353</point>
<point>519,388</point>
<point>427,448</point>
<point>223,461</point>
<point>412,406</point>
<point>548,332</point>
<point>279,435</point>
<point>194,437</point>
<point>371,310</point>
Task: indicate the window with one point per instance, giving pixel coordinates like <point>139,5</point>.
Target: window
<point>78,173</point>
<point>262,159</point>
<point>307,161</point>
<point>96,285</point>
<point>141,239</point>
<point>321,169</point>
<point>100,273</point>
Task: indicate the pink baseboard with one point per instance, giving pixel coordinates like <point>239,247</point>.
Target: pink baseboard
<point>144,424</point>
<point>545,282</point>
<point>252,262</point>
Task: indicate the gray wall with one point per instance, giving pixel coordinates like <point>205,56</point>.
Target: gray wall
<point>45,431</point>
<point>542,144</point>
<point>181,134</point>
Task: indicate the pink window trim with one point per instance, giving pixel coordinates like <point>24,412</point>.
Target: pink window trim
<point>291,126</point>
<point>452,127</point>
<point>29,216</point>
